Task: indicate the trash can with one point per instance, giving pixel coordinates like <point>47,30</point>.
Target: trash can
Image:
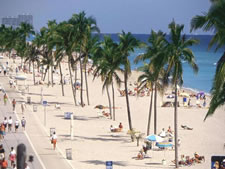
<point>67,115</point>
<point>69,154</point>
<point>163,162</point>
<point>29,100</point>
<point>52,130</point>
<point>34,108</point>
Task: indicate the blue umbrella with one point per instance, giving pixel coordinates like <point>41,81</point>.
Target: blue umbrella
<point>154,138</point>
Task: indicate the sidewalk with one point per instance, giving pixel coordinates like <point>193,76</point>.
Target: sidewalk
<point>35,131</point>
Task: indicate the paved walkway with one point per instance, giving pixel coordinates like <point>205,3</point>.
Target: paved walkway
<point>44,155</point>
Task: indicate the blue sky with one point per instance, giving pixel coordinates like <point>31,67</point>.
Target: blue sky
<point>113,16</point>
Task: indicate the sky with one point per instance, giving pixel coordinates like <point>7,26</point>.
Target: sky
<point>113,16</point>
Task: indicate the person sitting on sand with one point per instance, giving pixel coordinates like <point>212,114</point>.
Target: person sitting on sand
<point>120,126</point>
<point>198,158</point>
<point>140,155</point>
<point>105,113</point>
<point>162,133</point>
<point>189,161</point>
<point>169,130</point>
<point>113,129</point>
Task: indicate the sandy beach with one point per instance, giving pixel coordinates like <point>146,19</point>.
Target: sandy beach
<point>93,143</point>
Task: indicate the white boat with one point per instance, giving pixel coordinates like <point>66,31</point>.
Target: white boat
<point>1,57</point>
<point>20,77</point>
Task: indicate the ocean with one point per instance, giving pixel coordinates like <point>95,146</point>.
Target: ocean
<point>205,59</point>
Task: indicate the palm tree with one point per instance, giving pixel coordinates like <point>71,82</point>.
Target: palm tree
<point>155,53</point>
<point>127,44</point>
<point>178,51</point>
<point>32,56</point>
<point>84,27</point>
<point>107,62</point>
<point>147,80</point>
<point>214,21</point>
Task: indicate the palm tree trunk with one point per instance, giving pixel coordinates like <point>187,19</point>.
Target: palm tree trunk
<point>81,83</point>
<point>61,79</point>
<point>113,97</point>
<point>75,90</point>
<point>85,73</point>
<point>45,74</point>
<point>74,98</point>
<point>33,74</point>
<point>175,127</point>
<point>127,100</point>
<point>29,66</point>
<point>150,113</point>
<point>155,111</point>
<point>48,76</point>
<point>52,74</point>
<point>110,106</point>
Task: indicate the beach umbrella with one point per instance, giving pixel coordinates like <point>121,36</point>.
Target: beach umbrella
<point>154,138</point>
<point>164,144</point>
<point>20,77</point>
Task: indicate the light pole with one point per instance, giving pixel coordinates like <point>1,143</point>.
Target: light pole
<point>71,125</point>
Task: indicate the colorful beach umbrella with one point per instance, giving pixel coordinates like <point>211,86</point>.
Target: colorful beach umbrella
<point>154,138</point>
<point>164,144</point>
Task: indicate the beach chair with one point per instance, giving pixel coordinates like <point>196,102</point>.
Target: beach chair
<point>100,114</point>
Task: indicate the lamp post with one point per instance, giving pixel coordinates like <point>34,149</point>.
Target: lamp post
<point>71,125</point>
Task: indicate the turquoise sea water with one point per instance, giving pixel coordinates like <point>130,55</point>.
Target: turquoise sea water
<point>206,60</point>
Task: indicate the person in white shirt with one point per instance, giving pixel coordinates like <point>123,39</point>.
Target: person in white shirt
<point>54,140</point>
<point>16,125</point>
<point>163,133</point>
<point>5,122</point>
<point>10,122</point>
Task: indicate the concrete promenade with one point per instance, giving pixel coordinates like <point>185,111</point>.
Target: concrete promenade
<point>35,137</point>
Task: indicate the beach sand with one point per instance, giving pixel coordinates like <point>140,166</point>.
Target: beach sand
<point>93,143</point>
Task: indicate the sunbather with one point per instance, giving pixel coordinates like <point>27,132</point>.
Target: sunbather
<point>113,129</point>
<point>105,113</point>
<point>198,158</point>
<point>186,127</point>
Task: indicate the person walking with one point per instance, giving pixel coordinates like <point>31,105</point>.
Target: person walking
<point>2,131</point>
<point>16,125</point>
<point>5,122</point>
<point>5,98</point>
<point>14,104</point>
<point>10,122</point>
<point>4,164</point>
<point>12,156</point>
<point>54,140</point>
<point>23,123</point>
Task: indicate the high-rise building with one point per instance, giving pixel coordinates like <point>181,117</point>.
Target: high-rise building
<point>16,21</point>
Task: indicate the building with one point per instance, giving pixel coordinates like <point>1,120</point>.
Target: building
<point>16,21</point>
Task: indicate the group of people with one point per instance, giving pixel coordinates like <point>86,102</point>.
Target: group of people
<point>187,160</point>
<point>116,129</point>
<point>8,123</point>
<point>4,163</point>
